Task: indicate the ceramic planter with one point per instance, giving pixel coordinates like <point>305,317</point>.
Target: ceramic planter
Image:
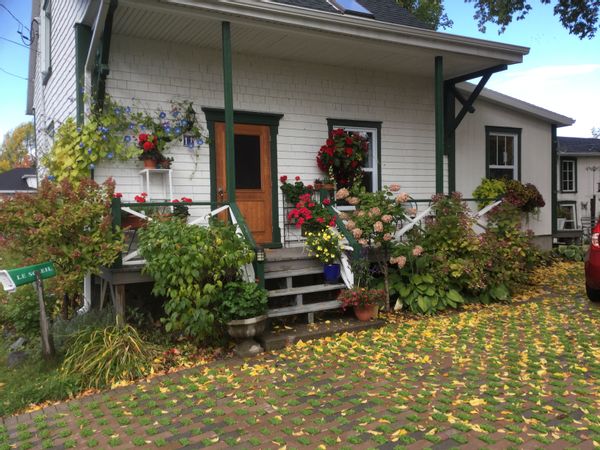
<point>331,273</point>
<point>365,313</point>
<point>150,164</point>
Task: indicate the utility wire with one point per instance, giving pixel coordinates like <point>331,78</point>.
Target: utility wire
<point>13,75</point>
<point>14,42</point>
<point>13,16</point>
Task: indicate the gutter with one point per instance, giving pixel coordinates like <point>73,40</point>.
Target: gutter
<point>247,11</point>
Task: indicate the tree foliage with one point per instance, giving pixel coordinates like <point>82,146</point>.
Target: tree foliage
<point>69,225</point>
<point>14,151</point>
<point>579,17</point>
<point>429,11</point>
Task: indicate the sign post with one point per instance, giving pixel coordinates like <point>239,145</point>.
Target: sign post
<point>13,278</point>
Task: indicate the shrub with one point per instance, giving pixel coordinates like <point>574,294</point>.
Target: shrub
<point>241,300</point>
<point>67,224</point>
<point>64,331</point>
<point>487,190</point>
<point>104,356</point>
<point>571,252</point>
<point>190,265</point>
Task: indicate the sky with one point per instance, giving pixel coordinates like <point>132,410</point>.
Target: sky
<point>561,73</point>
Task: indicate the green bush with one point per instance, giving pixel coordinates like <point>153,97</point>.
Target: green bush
<point>102,356</point>
<point>190,265</point>
<point>21,312</point>
<point>571,252</point>
<point>241,300</point>
<point>487,190</point>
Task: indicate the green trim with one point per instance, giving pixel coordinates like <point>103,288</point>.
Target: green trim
<point>83,38</point>
<point>489,130</point>
<point>362,124</point>
<point>553,169</point>
<point>450,133</point>
<point>101,68</point>
<point>439,124</point>
<point>574,160</point>
<point>249,118</point>
<point>228,102</point>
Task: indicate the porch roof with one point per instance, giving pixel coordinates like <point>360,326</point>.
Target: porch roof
<point>284,31</point>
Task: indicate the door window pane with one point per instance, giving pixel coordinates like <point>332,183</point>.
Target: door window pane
<point>247,161</point>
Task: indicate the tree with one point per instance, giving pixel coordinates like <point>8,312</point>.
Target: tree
<point>429,11</point>
<point>579,17</point>
<point>16,147</point>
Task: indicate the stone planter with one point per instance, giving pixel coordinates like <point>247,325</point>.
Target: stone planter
<point>243,331</point>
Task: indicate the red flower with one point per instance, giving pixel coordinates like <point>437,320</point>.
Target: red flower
<point>330,142</point>
<point>175,201</point>
<point>283,178</point>
<point>348,140</point>
<point>326,202</point>
<point>148,146</point>
<point>118,195</point>
<point>143,137</point>
<point>141,198</point>
<point>349,151</point>
<point>297,178</point>
<point>186,199</point>
<point>320,220</point>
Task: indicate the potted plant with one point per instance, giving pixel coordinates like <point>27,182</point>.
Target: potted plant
<point>292,192</point>
<point>151,155</point>
<point>343,156</point>
<point>242,308</point>
<point>310,215</point>
<point>325,246</point>
<point>364,301</point>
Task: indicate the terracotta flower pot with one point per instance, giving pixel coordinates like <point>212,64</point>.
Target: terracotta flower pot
<point>364,313</point>
<point>150,164</point>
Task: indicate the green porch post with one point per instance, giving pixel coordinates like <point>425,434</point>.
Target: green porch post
<point>450,135</point>
<point>228,93</point>
<point>554,179</point>
<point>439,125</point>
<point>83,37</point>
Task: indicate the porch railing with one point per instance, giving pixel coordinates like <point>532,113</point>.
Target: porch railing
<point>256,272</point>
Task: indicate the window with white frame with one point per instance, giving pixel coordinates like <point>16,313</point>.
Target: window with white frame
<point>370,131</point>
<point>568,175</point>
<point>45,40</point>
<point>566,217</point>
<point>502,146</point>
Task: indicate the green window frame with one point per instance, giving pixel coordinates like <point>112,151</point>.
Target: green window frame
<point>503,152</point>
<point>568,175</point>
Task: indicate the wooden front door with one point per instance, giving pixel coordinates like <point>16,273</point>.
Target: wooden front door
<point>252,176</point>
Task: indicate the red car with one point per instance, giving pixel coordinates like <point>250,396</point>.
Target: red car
<point>592,266</point>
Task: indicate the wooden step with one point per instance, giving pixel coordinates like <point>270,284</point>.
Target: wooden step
<point>302,309</point>
<point>284,273</point>
<point>306,289</point>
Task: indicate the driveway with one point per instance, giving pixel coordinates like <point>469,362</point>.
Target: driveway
<point>522,375</point>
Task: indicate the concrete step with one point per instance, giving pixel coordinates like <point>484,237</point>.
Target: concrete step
<point>306,289</point>
<point>302,309</point>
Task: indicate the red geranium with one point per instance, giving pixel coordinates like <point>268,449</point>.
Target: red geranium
<point>343,156</point>
<point>148,146</point>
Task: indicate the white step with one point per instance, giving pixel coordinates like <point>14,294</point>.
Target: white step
<point>306,289</point>
<point>300,309</point>
<point>293,272</point>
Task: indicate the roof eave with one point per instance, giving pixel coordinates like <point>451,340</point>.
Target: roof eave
<point>320,21</point>
<point>519,105</point>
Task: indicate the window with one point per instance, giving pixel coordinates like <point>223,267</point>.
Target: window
<point>371,131</point>
<point>566,217</point>
<point>45,37</point>
<point>568,175</point>
<point>503,147</point>
<point>351,7</point>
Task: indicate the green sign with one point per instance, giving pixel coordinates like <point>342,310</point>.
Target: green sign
<point>25,275</point>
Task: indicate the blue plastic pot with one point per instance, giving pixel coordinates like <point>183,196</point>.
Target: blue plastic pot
<point>331,272</point>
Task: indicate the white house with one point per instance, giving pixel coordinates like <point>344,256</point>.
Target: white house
<point>290,70</point>
<point>578,183</point>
